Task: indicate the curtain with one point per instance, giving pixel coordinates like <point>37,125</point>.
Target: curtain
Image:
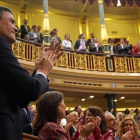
<point>123,3</point>
<point>91,2</point>
<point>83,1</point>
<point>115,2</point>
<point>137,3</point>
<point>130,2</point>
<point>107,2</point>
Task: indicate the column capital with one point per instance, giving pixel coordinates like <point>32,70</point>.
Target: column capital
<point>100,1</point>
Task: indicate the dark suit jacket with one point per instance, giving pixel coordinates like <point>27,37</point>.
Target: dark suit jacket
<point>23,31</point>
<point>88,41</point>
<point>77,45</point>
<point>41,38</point>
<point>130,48</point>
<point>71,131</point>
<point>26,120</point>
<point>93,49</point>
<point>114,49</point>
<point>122,51</point>
<point>17,89</point>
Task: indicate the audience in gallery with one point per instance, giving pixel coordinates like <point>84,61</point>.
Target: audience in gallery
<point>67,43</point>
<point>136,49</point>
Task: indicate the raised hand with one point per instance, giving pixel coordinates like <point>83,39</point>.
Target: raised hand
<point>97,121</point>
<point>127,136</point>
<point>68,126</point>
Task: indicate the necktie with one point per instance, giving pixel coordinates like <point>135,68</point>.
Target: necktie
<point>83,45</point>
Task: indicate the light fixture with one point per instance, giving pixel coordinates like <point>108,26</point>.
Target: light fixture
<point>91,96</point>
<point>115,100</point>
<point>119,3</point>
<point>83,99</point>
<point>122,97</point>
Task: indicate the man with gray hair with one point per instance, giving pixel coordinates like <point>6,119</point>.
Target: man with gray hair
<point>17,87</point>
<point>120,116</point>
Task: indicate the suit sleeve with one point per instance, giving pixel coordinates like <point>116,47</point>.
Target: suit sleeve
<point>20,83</point>
<point>30,36</point>
<point>75,46</point>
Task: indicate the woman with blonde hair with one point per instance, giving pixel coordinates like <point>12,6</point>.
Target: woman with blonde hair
<point>129,129</point>
<point>136,49</point>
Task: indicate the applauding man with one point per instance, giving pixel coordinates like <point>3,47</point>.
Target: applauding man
<point>17,87</point>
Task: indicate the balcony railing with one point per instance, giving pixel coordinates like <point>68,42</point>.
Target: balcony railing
<point>81,60</point>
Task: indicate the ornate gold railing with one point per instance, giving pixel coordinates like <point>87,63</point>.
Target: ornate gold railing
<point>81,60</point>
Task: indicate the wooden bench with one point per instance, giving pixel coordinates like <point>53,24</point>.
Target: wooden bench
<point>29,137</point>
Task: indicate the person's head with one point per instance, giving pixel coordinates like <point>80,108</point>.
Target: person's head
<point>120,116</point>
<point>56,31</point>
<point>51,108</point>
<point>8,29</point>
<point>98,40</point>
<point>121,41</point>
<point>34,28</point>
<point>127,41</point>
<point>52,33</point>
<point>126,112</point>
<point>92,35</point>
<point>82,36</point>
<point>67,37</point>
<point>111,122</point>
<point>127,124</point>
<point>38,28</point>
<point>73,116</point>
<point>78,109</point>
<point>34,111</point>
<point>93,112</point>
<point>30,107</point>
<point>95,40</point>
<point>26,37</point>
<point>111,42</point>
<point>25,21</point>
<point>138,122</point>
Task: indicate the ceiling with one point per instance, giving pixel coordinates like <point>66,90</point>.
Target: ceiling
<point>76,8</point>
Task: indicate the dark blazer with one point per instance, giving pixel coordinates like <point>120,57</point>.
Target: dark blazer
<point>17,89</point>
<point>40,38</point>
<point>93,49</point>
<point>122,51</point>
<point>77,44</point>
<point>27,120</point>
<point>130,48</point>
<point>88,41</point>
<point>23,31</point>
<point>71,131</point>
<point>114,49</point>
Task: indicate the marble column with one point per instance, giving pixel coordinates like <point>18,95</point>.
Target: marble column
<point>111,103</point>
<point>102,20</point>
<point>46,24</point>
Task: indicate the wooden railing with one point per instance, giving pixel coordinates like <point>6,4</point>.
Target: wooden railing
<point>81,60</point>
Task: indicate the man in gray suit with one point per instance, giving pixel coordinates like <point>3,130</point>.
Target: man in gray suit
<point>33,35</point>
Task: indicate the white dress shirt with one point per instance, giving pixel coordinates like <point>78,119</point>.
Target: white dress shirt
<point>66,44</point>
<point>82,42</point>
<point>111,50</point>
<point>96,45</point>
<point>35,35</point>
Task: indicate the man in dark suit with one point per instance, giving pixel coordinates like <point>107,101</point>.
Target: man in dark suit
<point>27,116</point>
<point>80,44</point>
<point>17,87</point>
<point>40,40</point>
<point>24,28</point>
<point>58,38</point>
<point>129,46</point>
<point>122,48</point>
<point>90,41</point>
<point>96,46</point>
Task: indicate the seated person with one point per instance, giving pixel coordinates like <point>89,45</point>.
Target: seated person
<point>50,111</point>
<point>73,117</point>
<point>27,116</point>
<point>136,49</point>
<point>96,46</point>
<point>91,40</point>
<point>26,37</point>
<point>67,43</point>
<point>122,48</point>
<point>112,47</point>
<point>80,44</point>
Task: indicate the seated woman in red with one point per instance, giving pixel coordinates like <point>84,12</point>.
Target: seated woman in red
<point>51,109</point>
<point>95,116</point>
<point>136,49</point>
<point>129,128</point>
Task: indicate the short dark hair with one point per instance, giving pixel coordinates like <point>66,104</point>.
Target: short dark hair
<point>80,35</point>
<point>96,111</point>
<point>4,9</point>
<point>47,110</point>
<point>33,26</point>
<point>67,34</point>
<point>52,33</point>
<point>54,29</point>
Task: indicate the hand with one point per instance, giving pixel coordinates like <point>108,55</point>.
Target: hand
<point>36,37</point>
<point>97,121</point>
<point>78,49</point>
<point>34,120</point>
<point>79,127</point>
<point>68,126</point>
<point>112,110</point>
<point>127,136</point>
<point>131,111</point>
<point>46,63</point>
